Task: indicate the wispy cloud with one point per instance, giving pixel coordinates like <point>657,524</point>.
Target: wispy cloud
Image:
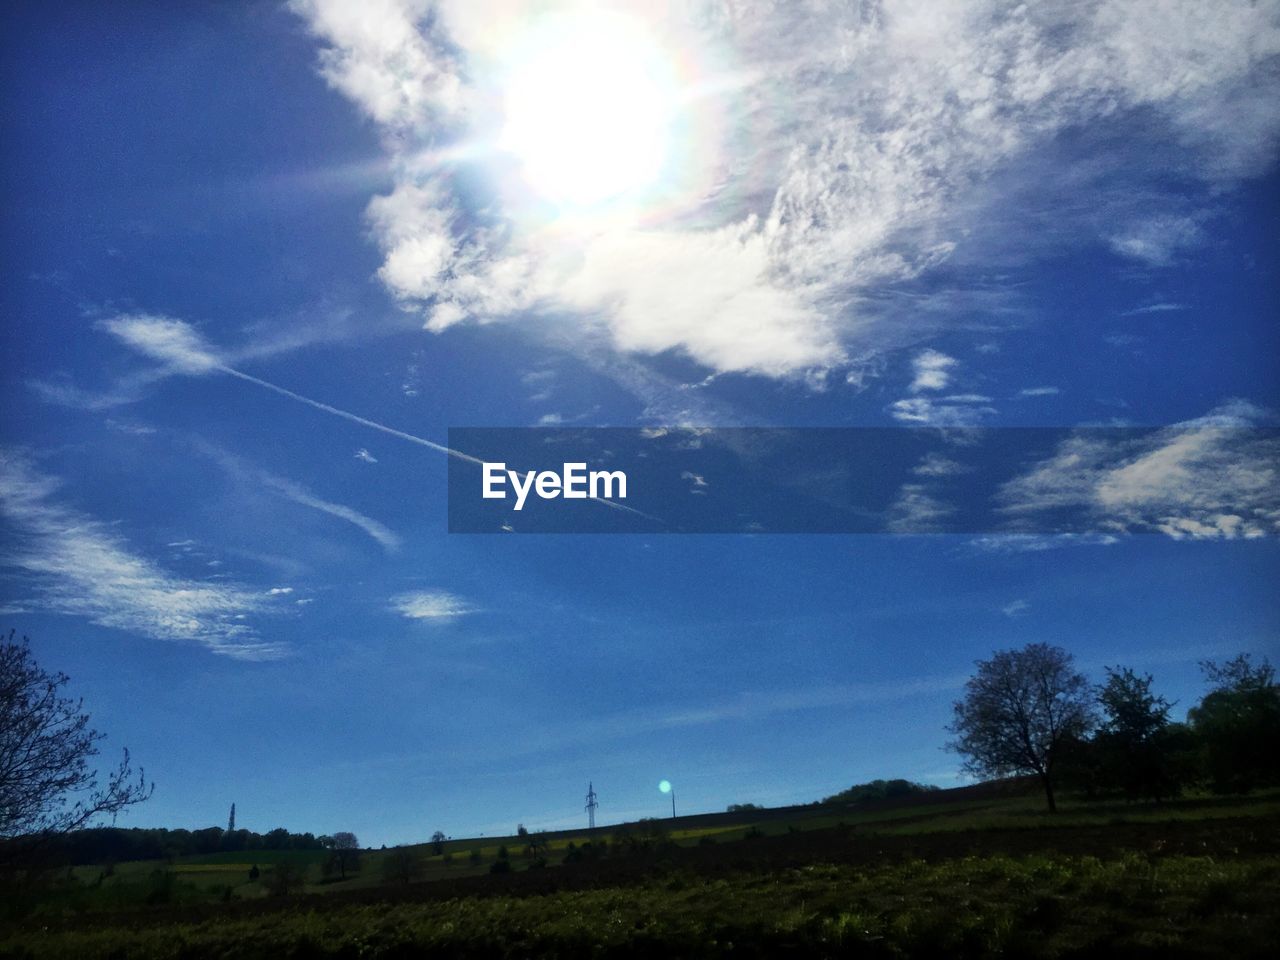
<point>1015,609</point>
<point>1039,392</point>
<point>933,370</point>
<point>1210,478</point>
<point>244,472</point>
<point>1163,307</point>
<point>1039,542</point>
<point>172,343</point>
<point>1157,241</point>
<point>78,566</point>
<point>958,410</point>
<point>918,510</point>
<point>936,465</point>
<point>863,147</point>
<point>434,606</point>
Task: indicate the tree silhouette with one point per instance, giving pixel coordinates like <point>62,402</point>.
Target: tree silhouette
<point>1238,725</point>
<point>1019,711</point>
<point>1138,750</point>
<point>47,787</point>
<point>346,852</point>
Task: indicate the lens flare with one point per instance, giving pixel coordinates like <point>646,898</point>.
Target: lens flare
<point>665,786</point>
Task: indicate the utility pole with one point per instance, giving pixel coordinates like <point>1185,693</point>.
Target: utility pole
<point>591,806</point>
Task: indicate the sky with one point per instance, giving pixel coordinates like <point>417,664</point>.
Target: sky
<point>261,258</point>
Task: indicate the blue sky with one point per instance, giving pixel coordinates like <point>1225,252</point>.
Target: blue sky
<point>942,214</point>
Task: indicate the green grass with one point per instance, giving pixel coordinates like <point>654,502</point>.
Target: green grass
<point>1041,906</point>
<point>1030,812</point>
<point>824,882</point>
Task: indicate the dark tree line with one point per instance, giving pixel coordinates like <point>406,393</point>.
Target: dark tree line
<point>114,844</point>
<point>878,790</point>
<point>1030,712</point>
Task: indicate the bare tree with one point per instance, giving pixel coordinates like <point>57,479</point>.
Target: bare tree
<point>46,784</point>
<point>1019,711</point>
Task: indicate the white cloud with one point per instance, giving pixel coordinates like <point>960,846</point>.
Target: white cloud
<point>79,567</point>
<point>366,456</point>
<point>835,152</point>
<point>1157,241</point>
<point>1163,307</point>
<point>917,510</point>
<point>279,591</point>
<point>436,606</point>
<point>1038,542</point>
<point>173,343</point>
<point>127,426</point>
<point>1213,477</point>
<point>1122,339</point>
<point>936,465</point>
<point>382,61</point>
<point>933,370</point>
<point>958,410</point>
<point>1015,609</point>
<point>1039,392</point>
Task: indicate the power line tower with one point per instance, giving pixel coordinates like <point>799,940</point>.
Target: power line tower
<point>591,805</point>
<point>231,822</point>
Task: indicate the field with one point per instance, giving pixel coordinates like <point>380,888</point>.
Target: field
<point>960,873</point>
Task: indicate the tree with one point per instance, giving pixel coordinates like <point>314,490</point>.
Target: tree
<point>1137,749</point>
<point>285,878</point>
<point>346,852</point>
<point>402,865</point>
<point>1018,712</point>
<point>437,841</point>
<point>47,787</point>
<point>1238,725</point>
<point>536,846</point>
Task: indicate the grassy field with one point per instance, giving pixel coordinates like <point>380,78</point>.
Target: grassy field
<point>963,875</point>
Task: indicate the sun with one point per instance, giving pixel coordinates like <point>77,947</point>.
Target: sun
<point>588,109</point>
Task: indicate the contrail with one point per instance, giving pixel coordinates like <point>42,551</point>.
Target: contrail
<point>441,448</point>
<point>391,431</point>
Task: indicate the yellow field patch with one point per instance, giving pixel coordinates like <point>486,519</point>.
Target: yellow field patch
<point>211,867</point>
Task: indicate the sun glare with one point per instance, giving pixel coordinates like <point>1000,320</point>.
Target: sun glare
<point>588,109</point>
